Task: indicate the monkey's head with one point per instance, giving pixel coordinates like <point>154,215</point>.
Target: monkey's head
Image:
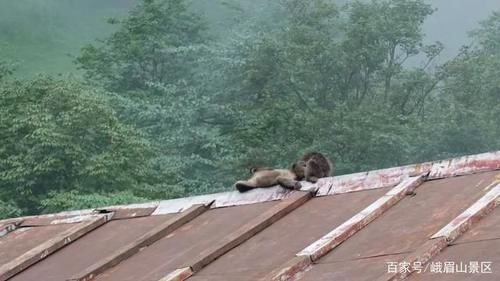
<point>253,170</point>
<point>299,168</point>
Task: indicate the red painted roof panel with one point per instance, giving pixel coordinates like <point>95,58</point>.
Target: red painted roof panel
<point>175,250</point>
<point>480,245</point>
<point>90,248</point>
<point>272,234</point>
<point>282,240</point>
<point>409,224</point>
<point>24,239</point>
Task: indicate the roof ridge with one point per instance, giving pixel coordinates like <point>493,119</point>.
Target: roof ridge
<point>359,181</point>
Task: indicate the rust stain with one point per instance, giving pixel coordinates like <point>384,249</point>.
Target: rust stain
<point>337,236</point>
<point>9,226</point>
<point>48,247</point>
<point>467,218</point>
<point>250,229</point>
<point>459,220</point>
<point>180,274</point>
<point>422,255</point>
<point>146,239</point>
<point>336,185</point>
<point>289,270</point>
<point>371,180</point>
<point>466,165</point>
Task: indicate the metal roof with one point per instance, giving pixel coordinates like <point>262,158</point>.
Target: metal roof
<point>416,222</point>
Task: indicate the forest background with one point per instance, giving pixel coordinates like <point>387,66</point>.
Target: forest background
<point>126,101</point>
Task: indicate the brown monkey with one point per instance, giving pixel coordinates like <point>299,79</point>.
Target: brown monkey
<point>267,177</point>
<point>312,166</point>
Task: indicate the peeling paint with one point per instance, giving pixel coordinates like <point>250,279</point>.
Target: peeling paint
<point>224,199</point>
<point>178,275</point>
<point>423,254</point>
<point>474,213</point>
<point>293,269</point>
<point>465,165</point>
<point>289,270</point>
<point>135,246</point>
<point>326,186</point>
<point>370,180</point>
<point>153,204</point>
<point>75,219</point>
<point>8,227</point>
<point>249,229</point>
<point>334,238</point>
<point>43,250</point>
<point>392,176</point>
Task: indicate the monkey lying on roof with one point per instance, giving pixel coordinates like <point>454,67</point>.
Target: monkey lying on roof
<point>267,177</point>
<point>310,167</point>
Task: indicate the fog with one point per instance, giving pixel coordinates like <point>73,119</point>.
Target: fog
<point>42,36</point>
<point>142,100</point>
<point>454,19</point>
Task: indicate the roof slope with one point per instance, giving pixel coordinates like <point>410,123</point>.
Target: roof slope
<point>411,222</point>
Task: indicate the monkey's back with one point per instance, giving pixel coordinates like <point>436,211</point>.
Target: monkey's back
<point>270,177</point>
<point>319,161</point>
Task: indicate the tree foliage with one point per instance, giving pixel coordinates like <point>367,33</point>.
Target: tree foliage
<point>154,44</point>
<point>58,135</point>
<point>168,108</point>
<point>154,61</point>
<point>334,80</point>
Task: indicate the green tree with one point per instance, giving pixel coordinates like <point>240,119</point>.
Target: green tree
<point>155,60</point>
<point>333,80</point>
<point>469,100</point>
<point>154,44</point>
<point>6,69</point>
<point>59,136</point>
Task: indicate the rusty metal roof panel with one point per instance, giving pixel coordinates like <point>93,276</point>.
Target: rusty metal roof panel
<point>94,246</point>
<point>24,239</point>
<point>487,229</point>
<point>177,249</point>
<point>36,253</point>
<point>459,166</point>
<point>349,230</point>
<point>478,261</point>
<point>282,240</point>
<point>357,269</point>
<point>478,247</point>
<point>409,224</point>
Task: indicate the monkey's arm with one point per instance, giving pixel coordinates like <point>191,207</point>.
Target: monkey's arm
<point>312,179</point>
<point>289,183</point>
<point>311,171</point>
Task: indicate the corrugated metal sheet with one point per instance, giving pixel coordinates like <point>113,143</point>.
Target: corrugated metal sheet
<point>179,248</point>
<point>408,225</point>
<point>480,247</point>
<point>280,242</point>
<point>355,226</point>
<point>26,256</point>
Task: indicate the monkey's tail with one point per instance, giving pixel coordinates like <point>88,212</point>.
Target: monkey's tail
<point>242,187</point>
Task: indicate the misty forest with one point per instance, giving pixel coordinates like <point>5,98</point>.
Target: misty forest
<point>127,101</point>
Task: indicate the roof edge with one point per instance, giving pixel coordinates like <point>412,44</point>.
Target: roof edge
<point>360,181</point>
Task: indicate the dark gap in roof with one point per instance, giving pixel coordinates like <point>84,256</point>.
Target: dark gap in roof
<point>240,205</point>
<point>475,241</point>
<point>366,258</point>
<point>42,225</point>
<point>330,188</point>
<point>102,211</point>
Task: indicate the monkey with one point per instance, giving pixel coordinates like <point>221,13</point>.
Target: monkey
<point>267,177</point>
<point>312,166</point>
